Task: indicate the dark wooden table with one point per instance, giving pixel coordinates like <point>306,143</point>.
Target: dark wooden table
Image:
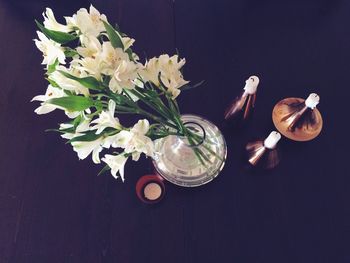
<point>53,208</point>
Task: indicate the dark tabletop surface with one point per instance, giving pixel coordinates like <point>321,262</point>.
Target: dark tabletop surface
<point>54,208</point>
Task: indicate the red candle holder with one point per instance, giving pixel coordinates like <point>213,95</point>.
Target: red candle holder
<point>150,189</point>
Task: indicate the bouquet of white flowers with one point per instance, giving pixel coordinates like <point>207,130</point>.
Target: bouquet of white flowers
<point>93,75</point>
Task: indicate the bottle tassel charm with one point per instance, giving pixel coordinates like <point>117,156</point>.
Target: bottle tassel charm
<point>298,119</point>
<point>242,106</point>
<point>264,153</point>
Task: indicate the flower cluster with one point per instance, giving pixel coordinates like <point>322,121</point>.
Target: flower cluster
<point>93,76</point>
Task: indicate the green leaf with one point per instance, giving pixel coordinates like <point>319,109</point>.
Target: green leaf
<point>72,103</point>
<point>69,52</point>
<point>188,87</point>
<point>106,80</point>
<point>69,92</point>
<point>52,83</point>
<point>119,99</point>
<point>88,82</point>
<point>54,130</point>
<point>114,36</point>
<point>151,93</point>
<point>104,169</point>
<point>77,121</point>
<point>87,137</point>
<point>57,36</point>
<point>129,52</point>
<point>52,67</point>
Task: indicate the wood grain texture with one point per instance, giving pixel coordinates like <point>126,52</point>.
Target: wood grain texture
<point>53,208</point>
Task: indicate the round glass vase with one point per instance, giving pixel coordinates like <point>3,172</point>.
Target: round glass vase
<point>189,163</point>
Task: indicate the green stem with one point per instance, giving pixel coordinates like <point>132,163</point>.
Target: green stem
<point>155,105</point>
<point>155,118</point>
<point>198,138</point>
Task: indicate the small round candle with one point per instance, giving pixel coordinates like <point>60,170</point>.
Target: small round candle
<point>150,188</point>
<point>152,191</point>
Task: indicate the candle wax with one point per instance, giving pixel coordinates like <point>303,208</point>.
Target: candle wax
<point>152,191</point>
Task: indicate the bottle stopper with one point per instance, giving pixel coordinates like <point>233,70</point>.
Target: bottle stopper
<point>272,140</point>
<point>242,106</point>
<point>251,85</point>
<point>298,119</point>
<point>264,153</point>
<point>312,101</point>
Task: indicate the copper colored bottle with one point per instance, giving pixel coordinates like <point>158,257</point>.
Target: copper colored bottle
<point>264,153</point>
<point>298,119</point>
<point>242,106</point>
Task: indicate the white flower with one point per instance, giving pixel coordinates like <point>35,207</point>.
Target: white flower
<point>170,74</point>
<point>51,23</point>
<point>50,49</point>
<point>91,47</point>
<point>67,83</point>
<point>73,114</point>
<point>89,65</point>
<point>141,127</point>
<point>79,131</point>
<point>106,119</point>
<point>89,23</point>
<point>120,140</point>
<point>91,62</point>
<point>116,163</point>
<point>84,148</point>
<point>141,143</point>
<point>127,42</point>
<point>64,126</point>
<point>50,93</point>
<point>124,76</point>
<point>112,58</point>
<point>135,141</point>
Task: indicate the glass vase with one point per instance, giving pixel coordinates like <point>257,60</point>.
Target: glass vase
<point>189,163</point>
